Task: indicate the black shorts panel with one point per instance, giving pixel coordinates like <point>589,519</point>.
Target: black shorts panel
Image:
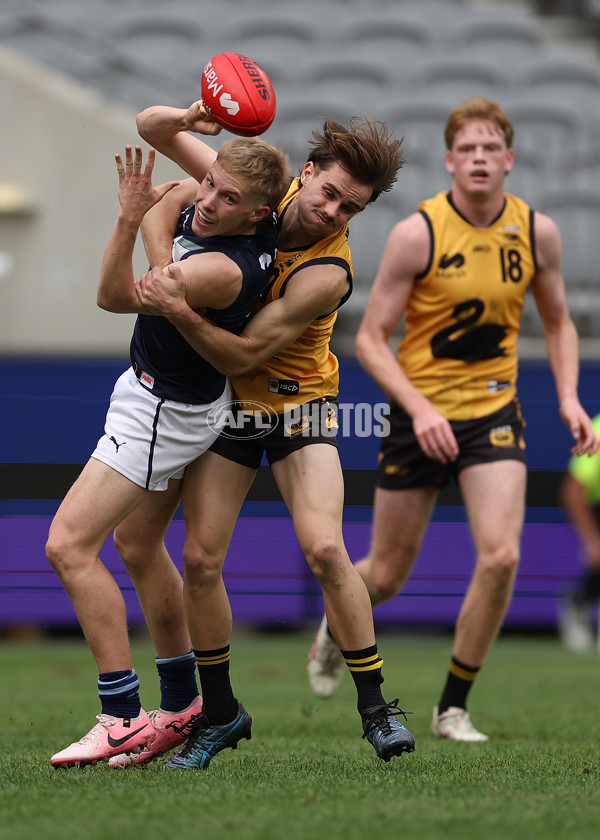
<point>248,438</point>
<point>403,464</point>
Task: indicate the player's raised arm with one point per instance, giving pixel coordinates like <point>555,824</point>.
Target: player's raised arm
<point>237,95</point>
<point>166,129</point>
<point>137,195</point>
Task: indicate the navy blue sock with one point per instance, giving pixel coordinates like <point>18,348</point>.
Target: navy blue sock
<point>178,686</point>
<point>119,693</point>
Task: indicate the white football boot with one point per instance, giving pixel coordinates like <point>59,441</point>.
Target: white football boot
<point>325,664</point>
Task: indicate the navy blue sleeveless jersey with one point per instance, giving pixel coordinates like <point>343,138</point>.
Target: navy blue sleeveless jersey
<point>159,349</point>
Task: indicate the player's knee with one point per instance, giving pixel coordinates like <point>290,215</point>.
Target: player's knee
<point>386,574</point>
<point>61,551</point>
<point>127,547</point>
<point>327,560</point>
<point>53,553</point>
<point>385,586</point>
<point>501,562</point>
<point>202,567</point>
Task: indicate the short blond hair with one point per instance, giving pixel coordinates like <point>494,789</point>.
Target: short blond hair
<point>264,168</point>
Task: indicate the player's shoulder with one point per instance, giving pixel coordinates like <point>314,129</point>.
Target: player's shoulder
<point>547,238</point>
<point>411,232</point>
<point>545,225</point>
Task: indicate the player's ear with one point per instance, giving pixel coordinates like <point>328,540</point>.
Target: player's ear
<point>307,172</point>
<point>510,159</point>
<point>449,162</point>
<point>260,213</point>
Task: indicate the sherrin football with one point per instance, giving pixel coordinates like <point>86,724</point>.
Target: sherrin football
<point>239,94</point>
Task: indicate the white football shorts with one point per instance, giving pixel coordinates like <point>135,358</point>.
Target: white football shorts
<point>149,439</point>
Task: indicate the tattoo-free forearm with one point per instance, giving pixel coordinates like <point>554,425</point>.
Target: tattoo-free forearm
<point>115,287</point>
<point>229,353</point>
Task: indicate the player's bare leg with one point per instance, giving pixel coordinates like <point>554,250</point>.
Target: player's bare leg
<point>400,520</point>
<point>159,586</point>
<point>86,518</point>
<point>139,539</point>
<point>311,483</point>
<point>213,493</point>
<point>91,509</point>
<point>494,495</point>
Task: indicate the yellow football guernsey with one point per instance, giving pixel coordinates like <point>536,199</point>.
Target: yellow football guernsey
<point>307,369</point>
<point>464,312</point>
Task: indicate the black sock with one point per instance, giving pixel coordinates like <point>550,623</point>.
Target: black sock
<point>587,591</point>
<point>365,667</point>
<point>218,703</point>
<point>458,684</point>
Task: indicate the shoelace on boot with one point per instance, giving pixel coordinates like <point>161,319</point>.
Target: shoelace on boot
<point>183,728</point>
<point>192,731</point>
<point>379,717</point>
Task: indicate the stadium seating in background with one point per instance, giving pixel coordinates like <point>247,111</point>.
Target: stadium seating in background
<point>397,37</point>
<point>577,214</point>
<point>298,118</point>
<point>544,130</point>
<point>527,179</point>
<point>496,28</point>
<point>421,119</point>
<point>405,61</point>
<point>281,32</point>
<point>358,84</point>
<point>368,235</point>
<point>456,76</point>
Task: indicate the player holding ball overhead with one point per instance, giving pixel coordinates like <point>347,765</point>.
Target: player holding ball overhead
<point>163,413</point>
<point>284,350</point>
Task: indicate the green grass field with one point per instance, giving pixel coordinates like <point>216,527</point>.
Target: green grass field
<point>307,773</point>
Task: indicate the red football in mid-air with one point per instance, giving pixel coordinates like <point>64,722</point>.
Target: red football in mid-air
<point>239,94</point>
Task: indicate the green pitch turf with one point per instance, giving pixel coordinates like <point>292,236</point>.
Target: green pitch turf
<point>307,774</point>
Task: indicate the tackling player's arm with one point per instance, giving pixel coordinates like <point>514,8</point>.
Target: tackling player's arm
<point>312,292</point>
<point>405,256</point>
<point>562,341</point>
